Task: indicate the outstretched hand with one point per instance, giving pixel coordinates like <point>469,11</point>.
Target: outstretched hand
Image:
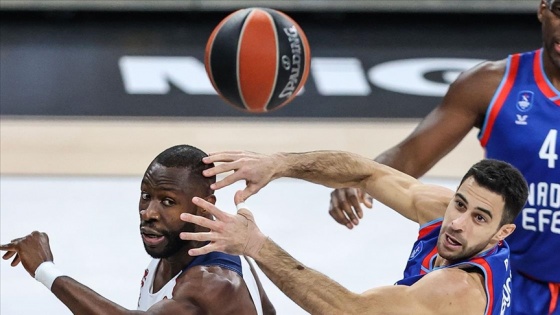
<point>31,250</point>
<point>345,206</point>
<point>233,234</point>
<point>256,169</point>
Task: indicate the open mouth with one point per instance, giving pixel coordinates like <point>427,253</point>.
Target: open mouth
<point>452,241</point>
<point>151,237</point>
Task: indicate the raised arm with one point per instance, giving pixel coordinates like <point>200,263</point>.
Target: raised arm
<point>403,193</point>
<point>445,291</point>
<point>463,107</point>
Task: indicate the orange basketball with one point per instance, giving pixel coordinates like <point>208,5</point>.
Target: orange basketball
<point>257,59</point>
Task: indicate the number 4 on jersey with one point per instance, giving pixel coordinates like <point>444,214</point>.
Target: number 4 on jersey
<point>548,148</point>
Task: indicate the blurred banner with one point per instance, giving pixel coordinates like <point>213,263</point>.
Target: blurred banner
<point>302,5</point>
<point>383,65</point>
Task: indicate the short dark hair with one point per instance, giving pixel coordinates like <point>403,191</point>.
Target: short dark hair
<point>504,179</point>
<point>189,157</point>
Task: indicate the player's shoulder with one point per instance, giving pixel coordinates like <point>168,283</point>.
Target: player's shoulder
<point>486,70</point>
<point>451,290</point>
<point>457,281</point>
<point>212,286</point>
<point>217,276</point>
<point>474,88</point>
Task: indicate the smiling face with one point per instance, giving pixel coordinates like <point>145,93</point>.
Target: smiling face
<point>166,192</point>
<point>471,223</point>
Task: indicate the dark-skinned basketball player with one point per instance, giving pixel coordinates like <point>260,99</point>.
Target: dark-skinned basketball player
<point>174,282</point>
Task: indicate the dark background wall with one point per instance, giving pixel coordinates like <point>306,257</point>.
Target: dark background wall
<point>65,62</point>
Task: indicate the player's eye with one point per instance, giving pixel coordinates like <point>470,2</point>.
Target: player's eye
<point>460,204</point>
<point>144,196</point>
<point>168,202</point>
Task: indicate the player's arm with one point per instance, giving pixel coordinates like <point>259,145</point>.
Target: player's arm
<point>446,291</point>
<point>200,290</point>
<point>463,107</point>
<point>401,192</point>
<point>82,300</point>
<point>34,249</point>
<point>213,289</point>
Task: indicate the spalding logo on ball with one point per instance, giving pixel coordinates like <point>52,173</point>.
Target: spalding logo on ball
<point>257,59</point>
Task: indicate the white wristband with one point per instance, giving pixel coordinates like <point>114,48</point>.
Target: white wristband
<point>46,273</point>
<point>241,205</point>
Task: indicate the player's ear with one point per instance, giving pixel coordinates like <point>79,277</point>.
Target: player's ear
<point>504,231</point>
<point>542,7</point>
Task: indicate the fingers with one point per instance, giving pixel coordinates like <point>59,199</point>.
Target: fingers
<point>238,198</point>
<point>212,209</point>
<point>198,236</point>
<point>366,199</point>
<point>204,250</point>
<point>221,156</point>
<point>9,246</point>
<point>345,207</point>
<point>9,254</point>
<point>338,215</point>
<point>226,181</point>
<point>16,261</point>
<point>220,168</point>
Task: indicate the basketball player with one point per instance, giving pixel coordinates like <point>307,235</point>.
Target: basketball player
<point>174,282</point>
<point>515,103</point>
<point>458,265</point>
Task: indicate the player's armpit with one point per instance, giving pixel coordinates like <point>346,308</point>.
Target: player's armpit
<point>215,290</point>
<point>445,291</point>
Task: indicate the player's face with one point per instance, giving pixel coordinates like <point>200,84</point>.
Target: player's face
<point>471,223</point>
<point>549,15</point>
<point>165,194</point>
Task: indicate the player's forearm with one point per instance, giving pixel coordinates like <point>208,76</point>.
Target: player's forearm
<point>311,290</point>
<point>336,169</point>
<point>82,300</point>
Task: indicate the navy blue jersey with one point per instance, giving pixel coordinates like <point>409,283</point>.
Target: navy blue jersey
<point>237,264</point>
<point>522,128</point>
<point>493,264</point>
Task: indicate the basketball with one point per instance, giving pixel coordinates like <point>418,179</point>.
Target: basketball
<point>257,59</point>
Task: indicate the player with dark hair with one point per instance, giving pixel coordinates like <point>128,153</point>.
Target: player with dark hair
<point>174,282</point>
<point>458,265</point>
<point>515,102</point>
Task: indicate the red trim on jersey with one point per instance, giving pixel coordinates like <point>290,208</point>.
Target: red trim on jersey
<point>423,232</point>
<point>554,293</point>
<point>426,261</point>
<point>427,229</point>
<point>541,80</point>
<point>497,106</point>
<point>489,282</point>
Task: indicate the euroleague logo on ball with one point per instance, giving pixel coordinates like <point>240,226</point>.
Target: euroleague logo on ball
<point>257,59</point>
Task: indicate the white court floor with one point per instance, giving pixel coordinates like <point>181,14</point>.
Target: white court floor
<point>93,222</point>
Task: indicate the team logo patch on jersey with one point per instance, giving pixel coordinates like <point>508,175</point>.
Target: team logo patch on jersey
<point>525,100</point>
<point>416,251</point>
